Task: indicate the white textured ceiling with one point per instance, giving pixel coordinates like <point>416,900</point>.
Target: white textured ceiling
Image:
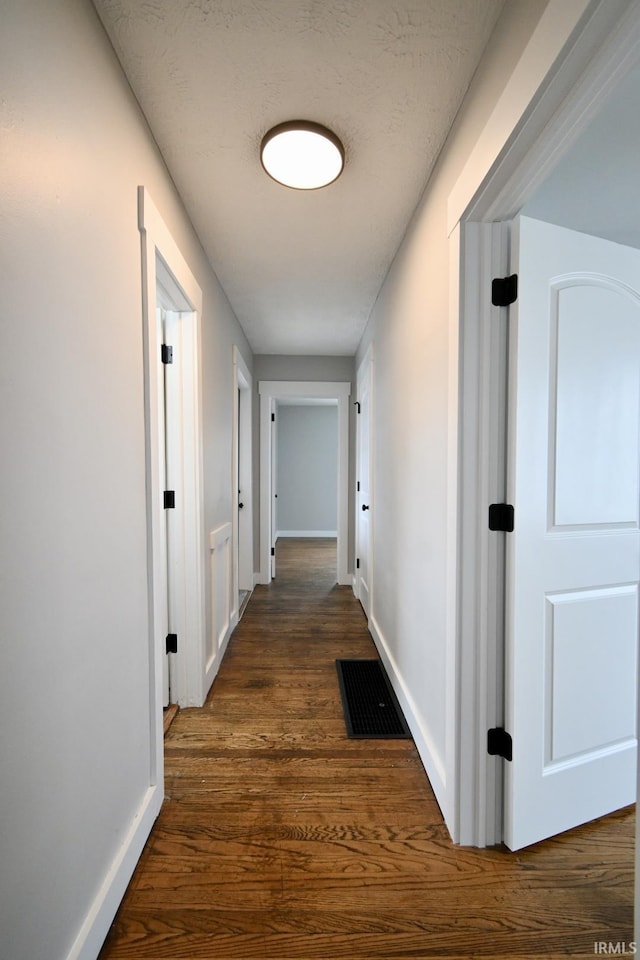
<point>301,269</point>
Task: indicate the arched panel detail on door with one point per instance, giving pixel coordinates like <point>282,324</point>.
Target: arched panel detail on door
<point>594,402</point>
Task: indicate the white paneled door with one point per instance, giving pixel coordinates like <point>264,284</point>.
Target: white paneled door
<point>274,485</point>
<point>363,485</point>
<point>573,559</point>
<point>169,399</point>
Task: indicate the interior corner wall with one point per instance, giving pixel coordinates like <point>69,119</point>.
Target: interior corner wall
<point>300,368</point>
<point>74,684</point>
<point>410,326</point>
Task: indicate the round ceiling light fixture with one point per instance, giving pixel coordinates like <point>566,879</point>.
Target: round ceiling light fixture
<point>302,154</point>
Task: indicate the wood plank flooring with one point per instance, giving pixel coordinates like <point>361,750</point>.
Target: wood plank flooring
<point>281,838</point>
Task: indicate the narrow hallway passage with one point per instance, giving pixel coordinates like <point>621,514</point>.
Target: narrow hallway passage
<point>281,838</point>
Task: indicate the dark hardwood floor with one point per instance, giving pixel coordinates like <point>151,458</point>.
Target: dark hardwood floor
<point>281,838</point>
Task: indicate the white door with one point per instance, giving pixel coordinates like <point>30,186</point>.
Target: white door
<point>242,493</point>
<point>170,455</point>
<point>363,485</point>
<point>573,559</point>
<point>274,486</point>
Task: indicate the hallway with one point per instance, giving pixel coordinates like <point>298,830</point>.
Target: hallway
<point>281,838</point>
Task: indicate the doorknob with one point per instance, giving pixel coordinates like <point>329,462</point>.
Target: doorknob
<point>365,506</point>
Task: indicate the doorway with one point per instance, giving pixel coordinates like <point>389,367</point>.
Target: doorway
<point>289,391</point>
<point>306,469</point>
<point>174,470</point>
<point>483,247</point>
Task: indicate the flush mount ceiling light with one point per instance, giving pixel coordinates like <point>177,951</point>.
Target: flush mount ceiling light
<point>302,155</point>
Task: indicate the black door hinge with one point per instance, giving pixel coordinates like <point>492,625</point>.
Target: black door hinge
<point>504,290</point>
<point>501,517</point>
<point>273,551</point>
<point>357,404</point>
<point>357,564</point>
<point>166,353</point>
<point>358,487</point>
<point>172,643</point>
<point>273,417</point>
<point>169,499</point>
<point>499,743</point>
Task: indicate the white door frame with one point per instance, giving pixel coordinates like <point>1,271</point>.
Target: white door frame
<point>365,368</point>
<point>558,98</point>
<point>172,302</point>
<point>271,391</point>
<point>482,254</point>
<point>189,673</point>
<point>242,473</point>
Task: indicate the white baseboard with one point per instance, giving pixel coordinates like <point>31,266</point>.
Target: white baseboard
<point>424,745</point>
<point>225,643</point>
<point>95,926</point>
<point>213,666</point>
<point>327,534</point>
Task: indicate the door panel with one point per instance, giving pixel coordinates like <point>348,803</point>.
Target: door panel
<point>274,486</point>
<point>584,671</point>
<point>573,560</point>
<point>363,494</point>
<point>594,403</point>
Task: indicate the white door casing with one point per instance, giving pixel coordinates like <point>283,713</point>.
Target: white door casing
<point>477,561</point>
<point>364,498</point>
<point>573,559</point>
<point>165,267</point>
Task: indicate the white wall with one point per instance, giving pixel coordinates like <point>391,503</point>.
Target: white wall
<point>307,470</point>
<point>74,683</point>
<point>412,484</point>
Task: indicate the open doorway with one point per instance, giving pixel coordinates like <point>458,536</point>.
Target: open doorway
<point>303,402</point>
<point>305,501</point>
<point>577,175</point>
<point>306,470</point>
<point>172,303</point>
